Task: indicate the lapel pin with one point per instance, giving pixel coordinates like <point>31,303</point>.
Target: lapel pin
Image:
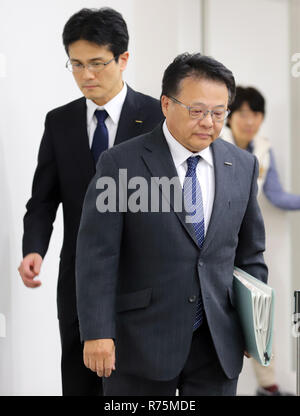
<point>228,163</point>
<point>139,121</point>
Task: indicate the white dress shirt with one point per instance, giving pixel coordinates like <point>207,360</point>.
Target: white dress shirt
<point>204,171</point>
<point>113,108</point>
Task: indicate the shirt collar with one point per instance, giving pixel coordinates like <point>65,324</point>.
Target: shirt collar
<point>180,154</point>
<point>113,107</point>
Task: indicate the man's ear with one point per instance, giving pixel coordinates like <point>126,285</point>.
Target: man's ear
<point>165,102</point>
<point>123,60</point>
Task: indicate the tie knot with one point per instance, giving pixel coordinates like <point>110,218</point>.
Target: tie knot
<point>192,163</point>
<point>101,115</point>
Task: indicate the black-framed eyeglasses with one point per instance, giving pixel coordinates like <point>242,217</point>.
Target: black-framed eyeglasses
<point>200,112</point>
<point>95,66</point>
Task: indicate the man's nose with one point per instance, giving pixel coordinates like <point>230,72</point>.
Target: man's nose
<point>87,73</point>
<point>250,120</point>
<point>207,121</point>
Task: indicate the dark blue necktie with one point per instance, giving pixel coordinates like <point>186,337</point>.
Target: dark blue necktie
<point>194,207</point>
<point>100,139</point>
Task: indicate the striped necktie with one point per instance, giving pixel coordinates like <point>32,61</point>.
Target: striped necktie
<point>194,207</point>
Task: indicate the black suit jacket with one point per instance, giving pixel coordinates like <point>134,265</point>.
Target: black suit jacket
<point>139,275</point>
<point>65,168</point>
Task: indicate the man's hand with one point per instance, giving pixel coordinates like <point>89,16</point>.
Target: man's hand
<point>99,356</point>
<point>246,354</point>
<point>30,268</point>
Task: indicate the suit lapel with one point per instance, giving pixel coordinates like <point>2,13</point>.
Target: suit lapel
<point>224,172</point>
<point>129,123</point>
<point>159,161</point>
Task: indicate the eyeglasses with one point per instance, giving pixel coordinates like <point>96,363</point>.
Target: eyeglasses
<point>95,67</point>
<point>199,112</point>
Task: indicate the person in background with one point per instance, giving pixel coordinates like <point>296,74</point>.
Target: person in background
<point>244,121</point>
<point>110,112</point>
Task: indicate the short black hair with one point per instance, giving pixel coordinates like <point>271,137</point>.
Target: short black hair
<point>104,27</point>
<point>196,65</point>
<point>249,95</point>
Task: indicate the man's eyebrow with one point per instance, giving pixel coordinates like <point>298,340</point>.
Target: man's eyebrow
<point>100,58</point>
<point>216,106</point>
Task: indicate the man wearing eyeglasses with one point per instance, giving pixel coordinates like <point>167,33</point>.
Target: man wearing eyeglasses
<point>110,112</point>
<point>155,297</point>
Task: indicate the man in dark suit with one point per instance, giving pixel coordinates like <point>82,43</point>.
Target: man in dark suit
<point>75,134</point>
<point>154,286</point>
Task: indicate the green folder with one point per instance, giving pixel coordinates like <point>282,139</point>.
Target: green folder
<point>255,306</point>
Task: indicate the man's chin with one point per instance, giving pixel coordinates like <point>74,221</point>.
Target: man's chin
<point>201,143</point>
<point>91,96</point>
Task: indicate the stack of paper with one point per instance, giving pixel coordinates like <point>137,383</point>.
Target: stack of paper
<point>255,306</point>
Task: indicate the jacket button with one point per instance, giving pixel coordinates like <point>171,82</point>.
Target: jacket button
<point>192,299</point>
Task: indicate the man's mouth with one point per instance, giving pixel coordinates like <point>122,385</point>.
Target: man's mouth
<point>90,86</point>
<point>203,135</point>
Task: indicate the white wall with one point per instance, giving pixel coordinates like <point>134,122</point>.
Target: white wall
<point>249,36</point>
<point>252,39</point>
<point>5,285</point>
<point>162,30</point>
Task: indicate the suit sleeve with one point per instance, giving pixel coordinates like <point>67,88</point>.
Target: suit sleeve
<point>275,192</point>
<point>97,257</point>
<point>42,207</point>
<point>249,253</point>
